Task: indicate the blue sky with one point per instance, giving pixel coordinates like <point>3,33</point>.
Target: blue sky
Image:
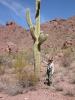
<point>14,10</point>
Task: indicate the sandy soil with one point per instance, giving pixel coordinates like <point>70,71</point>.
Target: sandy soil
<point>41,94</point>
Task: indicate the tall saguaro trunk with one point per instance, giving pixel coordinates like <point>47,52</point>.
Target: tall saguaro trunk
<point>36,43</point>
<point>37,36</point>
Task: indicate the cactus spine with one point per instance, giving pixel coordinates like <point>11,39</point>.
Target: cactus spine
<point>37,36</point>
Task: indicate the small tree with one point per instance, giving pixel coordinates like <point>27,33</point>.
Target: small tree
<point>37,36</point>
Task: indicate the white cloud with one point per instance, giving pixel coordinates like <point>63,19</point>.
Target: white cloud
<point>15,7</point>
<point>18,9</point>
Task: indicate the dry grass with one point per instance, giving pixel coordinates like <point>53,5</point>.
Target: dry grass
<point>24,71</point>
<point>59,88</point>
<point>68,57</point>
<point>69,91</point>
<point>2,70</point>
<point>20,75</point>
<point>8,84</point>
<point>71,76</point>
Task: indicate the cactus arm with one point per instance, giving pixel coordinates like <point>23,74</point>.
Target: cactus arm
<point>37,17</point>
<point>43,37</point>
<point>28,18</point>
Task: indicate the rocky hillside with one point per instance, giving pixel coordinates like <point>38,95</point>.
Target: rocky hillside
<point>15,36</point>
<point>59,30</point>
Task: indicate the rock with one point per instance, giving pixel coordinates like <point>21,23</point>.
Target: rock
<point>11,47</point>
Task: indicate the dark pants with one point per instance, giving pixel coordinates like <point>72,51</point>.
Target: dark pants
<point>49,77</point>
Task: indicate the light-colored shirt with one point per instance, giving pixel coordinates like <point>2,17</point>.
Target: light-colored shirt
<point>50,66</point>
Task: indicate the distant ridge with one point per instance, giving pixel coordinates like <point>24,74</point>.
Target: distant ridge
<point>59,30</point>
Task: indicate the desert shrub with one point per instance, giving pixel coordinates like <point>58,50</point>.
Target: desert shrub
<point>8,84</point>
<point>24,82</point>
<point>72,81</point>
<point>19,62</point>
<point>1,60</point>
<point>20,66</point>
<point>50,50</point>
<point>69,92</point>
<point>2,70</point>
<point>24,71</point>
<point>46,50</point>
<point>14,89</point>
<point>13,86</point>
<point>59,88</point>
<point>68,57</point>
<point>6,60</point>
<point>72,77</point>
<point>27,55</point>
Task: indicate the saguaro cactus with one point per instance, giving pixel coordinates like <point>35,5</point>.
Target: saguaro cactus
<point>37,36</point>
